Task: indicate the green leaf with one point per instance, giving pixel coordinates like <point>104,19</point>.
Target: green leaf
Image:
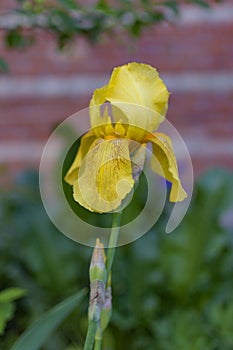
<point>3,66</point>
<point>173,5</point>
<point>201,3</point>
<point>69,4</point>
<point>11,294</point>
<point>35,336</point>
<point>15,39</point>
<point>6,313</point>
<point>7,307</point>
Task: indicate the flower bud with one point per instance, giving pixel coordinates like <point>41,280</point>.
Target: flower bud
<point>106,311</point>
<point>97,282</point>
<point>97,268</point>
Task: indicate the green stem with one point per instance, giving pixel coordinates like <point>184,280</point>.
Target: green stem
<point>98,342</point>
<point>109,261</point>
<point>90,338</point>
<point>113,241</point>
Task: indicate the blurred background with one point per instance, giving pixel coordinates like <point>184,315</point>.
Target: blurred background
<point>193,54</point>
<point>170,292</point>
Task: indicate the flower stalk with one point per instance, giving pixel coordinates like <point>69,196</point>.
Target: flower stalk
<point>97,274</point>
<point>100,307</point>
<point>113,241</point>
<point>90,337</point>
<point>98,339</point>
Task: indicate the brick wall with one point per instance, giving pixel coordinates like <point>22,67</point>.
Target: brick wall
<point>193,56</point>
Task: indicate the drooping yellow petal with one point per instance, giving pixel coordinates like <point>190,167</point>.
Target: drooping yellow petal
<point>139,92</point>
<point>105,176</point>
<point>85,144</point>
<point>77,194</point>
<point>163,152</point>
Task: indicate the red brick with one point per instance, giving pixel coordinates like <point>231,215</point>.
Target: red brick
<point>35,119</point>
<point>211,113</point>
<point>192,113</point>
<point>200,165</point>
<point>198,47</point>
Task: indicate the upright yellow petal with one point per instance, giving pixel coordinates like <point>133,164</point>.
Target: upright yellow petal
<point>137,84</point>
<point>105,176</point>
<point>98,118</point>
<point>163,152</point>
<point>85,144</point>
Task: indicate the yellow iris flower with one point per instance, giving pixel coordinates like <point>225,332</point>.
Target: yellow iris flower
<point>108,163</point>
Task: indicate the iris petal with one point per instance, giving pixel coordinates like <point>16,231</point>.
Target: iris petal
<point>105,176</point>
<point>97,119</point>
<point>163,152</point>
<point>109,161</point>
<point>85,144</point>
<point>137,84</point>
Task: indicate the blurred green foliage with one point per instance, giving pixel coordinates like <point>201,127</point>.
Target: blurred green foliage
<point>67,19</point>
<point>7,306</point>
<point>38,333</point>
<point>169,291</point>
